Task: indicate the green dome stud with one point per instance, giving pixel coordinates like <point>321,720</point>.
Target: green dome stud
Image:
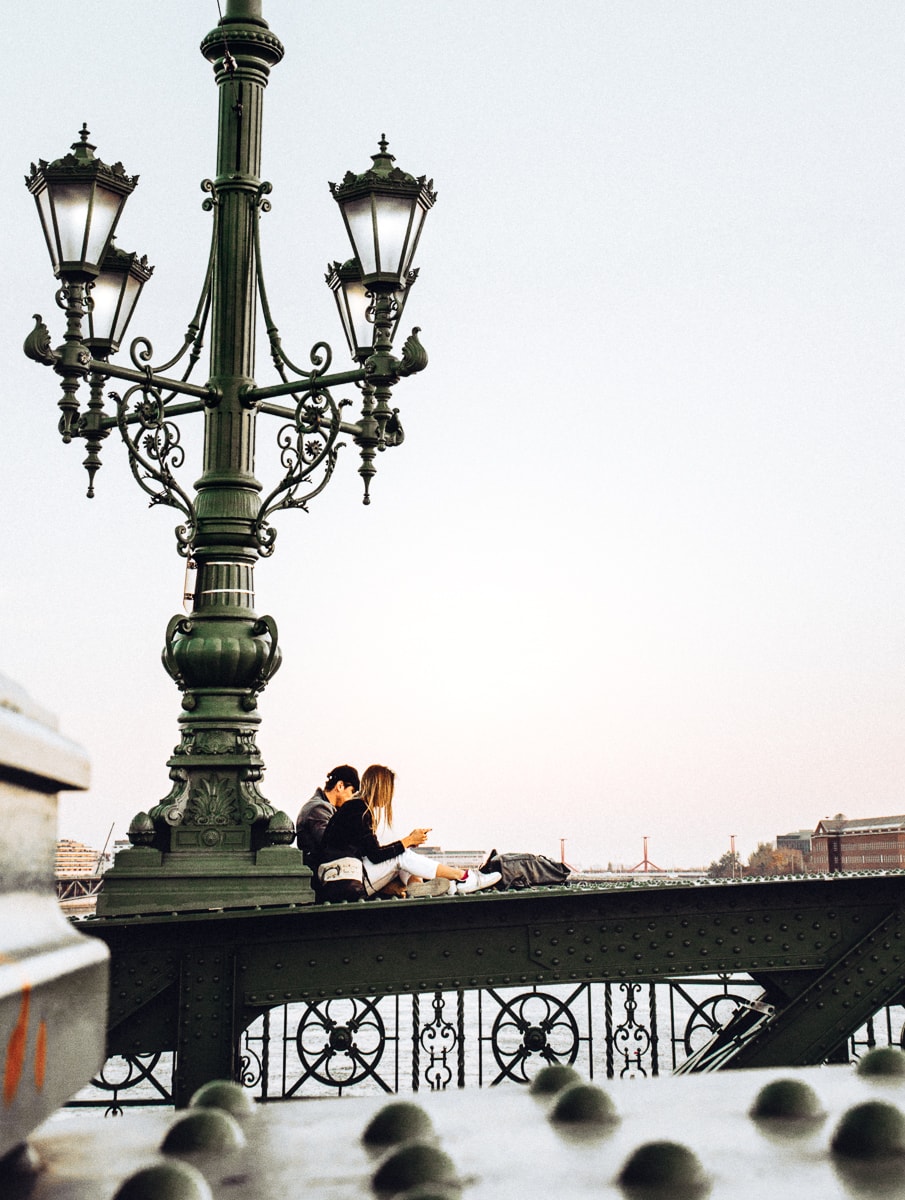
<point>870,1131</point>
<point>204,1129</point>
<point>401,1121</point>
<point>664,1168</point>
<point>584,1109</point>
<point>552,1079</point>
<point>165,1181</point>
<point>223,1093</point>
<point>791,1099</point>
<point>883,1062</point>
<point>415,1165</point>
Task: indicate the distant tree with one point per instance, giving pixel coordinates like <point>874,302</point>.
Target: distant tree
<point>768,860</point>
<point>763,860</point>
<point>791,862</point>
<point>727,867</point>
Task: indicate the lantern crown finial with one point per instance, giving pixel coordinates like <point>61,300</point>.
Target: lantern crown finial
<point>385,172</point>
<point>83,149</point>
<point>382,160</point>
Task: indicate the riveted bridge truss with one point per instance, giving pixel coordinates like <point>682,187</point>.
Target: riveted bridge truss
<point>810,961</point>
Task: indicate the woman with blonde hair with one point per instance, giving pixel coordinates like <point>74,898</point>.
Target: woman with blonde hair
<point>354,865</point>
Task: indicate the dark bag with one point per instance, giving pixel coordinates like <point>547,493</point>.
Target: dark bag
<point>526,870</point>
<point>340,879</point>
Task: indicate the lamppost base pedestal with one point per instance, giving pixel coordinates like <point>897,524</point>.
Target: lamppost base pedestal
<point>144,880</point>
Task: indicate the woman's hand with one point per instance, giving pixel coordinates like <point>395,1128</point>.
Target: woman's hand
<point>416,838</point>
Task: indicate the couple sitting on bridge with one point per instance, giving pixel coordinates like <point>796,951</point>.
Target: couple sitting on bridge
<point>337,831</point>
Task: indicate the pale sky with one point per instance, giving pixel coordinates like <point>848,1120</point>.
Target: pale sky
<point>637,569</point>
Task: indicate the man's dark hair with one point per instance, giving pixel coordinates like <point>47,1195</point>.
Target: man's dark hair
<point>345,775</point>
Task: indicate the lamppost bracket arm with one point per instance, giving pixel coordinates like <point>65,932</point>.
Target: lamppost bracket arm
<point>210,396</point>
<point>252,397</point>
<point>349,428</point>
<point>171,410</point>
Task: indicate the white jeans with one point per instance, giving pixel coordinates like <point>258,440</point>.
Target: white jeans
<point>406,864</point>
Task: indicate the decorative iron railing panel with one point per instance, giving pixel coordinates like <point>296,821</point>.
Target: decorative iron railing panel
<point>469,1038</point>
<point>129,1081</point>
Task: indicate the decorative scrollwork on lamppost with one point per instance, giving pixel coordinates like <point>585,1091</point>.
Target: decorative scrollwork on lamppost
<point>214,839</point>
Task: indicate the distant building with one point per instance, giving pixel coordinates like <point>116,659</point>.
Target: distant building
<point>800,840</point>
<point>464,860</point>
<point>838,844</point>
<point>74,858</point>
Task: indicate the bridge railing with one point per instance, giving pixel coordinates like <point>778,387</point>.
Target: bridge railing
<point>476,1038</point>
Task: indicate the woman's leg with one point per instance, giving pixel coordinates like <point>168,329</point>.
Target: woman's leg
<point>428,868</point>
<point>378,875</point>
<point>417,864</point>
<point>403,866</point>
<point>445,872</point>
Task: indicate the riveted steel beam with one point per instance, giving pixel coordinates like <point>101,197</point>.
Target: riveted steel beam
<point>135,979</point>
<point>206,1024</point>
<point>835,942</point>
<point>811,1027</point>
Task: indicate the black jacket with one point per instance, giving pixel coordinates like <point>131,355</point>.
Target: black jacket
<point>350,834</point>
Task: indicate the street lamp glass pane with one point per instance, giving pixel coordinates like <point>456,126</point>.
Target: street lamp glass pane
<point>361,229</point>
<point>418,216</point>
<point>71,203</point>
<point>105,302</point>
<point>393,218</point>
<point>45,212</point>
<point>130,299</point>
<point>104,212</point>
<point>358,303</point>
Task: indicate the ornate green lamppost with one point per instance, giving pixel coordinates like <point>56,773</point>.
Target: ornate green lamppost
<point>214,840</point>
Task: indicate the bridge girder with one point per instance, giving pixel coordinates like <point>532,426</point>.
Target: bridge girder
<point>829,952</point>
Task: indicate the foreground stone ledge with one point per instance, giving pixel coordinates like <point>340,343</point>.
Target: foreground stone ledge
<point>53,981</point>
<point>502,1143</point>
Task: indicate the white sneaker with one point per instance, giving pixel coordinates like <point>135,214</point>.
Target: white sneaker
<point>476,881</point>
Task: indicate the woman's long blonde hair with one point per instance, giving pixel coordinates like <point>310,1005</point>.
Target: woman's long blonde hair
<point>376,790</point>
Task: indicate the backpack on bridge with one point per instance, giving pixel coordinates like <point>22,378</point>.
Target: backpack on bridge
<point>526,870</point>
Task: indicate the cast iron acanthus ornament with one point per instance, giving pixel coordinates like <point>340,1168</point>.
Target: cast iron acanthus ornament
<point>222,654</point>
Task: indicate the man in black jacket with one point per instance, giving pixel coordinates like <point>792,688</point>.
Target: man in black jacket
<point>341,785</point>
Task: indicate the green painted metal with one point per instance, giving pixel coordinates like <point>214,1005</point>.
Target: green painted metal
<point>213,836</point>
<point>215,839</point>
<point>828,952</point>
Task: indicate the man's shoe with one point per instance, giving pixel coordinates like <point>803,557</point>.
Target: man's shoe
<point>427,887</point>
<point>476,881</point>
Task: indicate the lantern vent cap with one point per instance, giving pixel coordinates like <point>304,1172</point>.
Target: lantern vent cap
<point>81,162</point>
<point>385,177</point>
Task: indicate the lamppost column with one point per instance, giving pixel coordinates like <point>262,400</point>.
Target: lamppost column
<point>215,838</point>
<point>222,655</point>
<point>242,50</point>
